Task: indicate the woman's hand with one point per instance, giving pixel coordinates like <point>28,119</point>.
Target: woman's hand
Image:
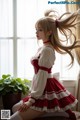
<point>24,106</point>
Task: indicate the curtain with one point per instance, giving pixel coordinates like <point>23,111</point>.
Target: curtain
<point>72,8</point>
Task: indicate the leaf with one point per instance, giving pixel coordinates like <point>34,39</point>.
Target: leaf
<point>1,81</point>
<point>10,84</point>
<point>5,76</point>
<point>1,88</point>
<point>8,90</point>
<point>7,81</point>
<point>20,88</point>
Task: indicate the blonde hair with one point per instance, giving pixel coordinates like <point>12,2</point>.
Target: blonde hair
<point>63,24</point>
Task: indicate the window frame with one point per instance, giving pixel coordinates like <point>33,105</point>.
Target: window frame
<point>15,38</point>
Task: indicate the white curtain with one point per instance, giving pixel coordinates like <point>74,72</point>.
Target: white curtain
<point>72,8</point>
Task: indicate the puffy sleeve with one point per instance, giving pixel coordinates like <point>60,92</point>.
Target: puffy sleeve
<point>46,60</point>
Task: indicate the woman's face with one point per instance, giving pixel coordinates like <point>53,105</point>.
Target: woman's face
<point>40,33</point>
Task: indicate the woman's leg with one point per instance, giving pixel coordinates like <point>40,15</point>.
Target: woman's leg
<point>71,115</point>
<point>16,106</point>
<point>31,114</point>
<point>15,116</point>
<point>27,115</point>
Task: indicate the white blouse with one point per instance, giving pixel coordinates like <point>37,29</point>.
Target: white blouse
<point>47,58</point>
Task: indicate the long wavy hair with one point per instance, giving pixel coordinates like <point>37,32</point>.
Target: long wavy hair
<point>57,25</point>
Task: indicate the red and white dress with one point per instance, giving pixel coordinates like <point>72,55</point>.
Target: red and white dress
<point>47,93</point>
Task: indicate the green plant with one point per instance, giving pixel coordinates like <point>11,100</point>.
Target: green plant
<point>10,84</point>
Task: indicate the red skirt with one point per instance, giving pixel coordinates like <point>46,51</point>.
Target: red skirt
<point>54,98</point>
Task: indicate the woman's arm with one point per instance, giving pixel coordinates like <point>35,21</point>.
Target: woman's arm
<point>46,60</point>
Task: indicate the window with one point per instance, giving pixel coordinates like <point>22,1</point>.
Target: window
<point>18,41</point>
<point>6,37</point>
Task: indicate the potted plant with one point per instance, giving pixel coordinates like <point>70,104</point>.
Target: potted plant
<point>11,90</point>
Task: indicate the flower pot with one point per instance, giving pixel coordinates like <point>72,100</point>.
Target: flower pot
<point>10,99</point>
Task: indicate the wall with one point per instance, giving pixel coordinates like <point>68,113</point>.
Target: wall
<point>72,87</point>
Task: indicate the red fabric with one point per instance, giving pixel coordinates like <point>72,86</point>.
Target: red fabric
<point>26,99</point>
<point>37,67</point>
<point>54,89</point>
<point>53,86</point>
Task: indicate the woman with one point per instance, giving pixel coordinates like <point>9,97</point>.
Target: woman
<point>47,93</point>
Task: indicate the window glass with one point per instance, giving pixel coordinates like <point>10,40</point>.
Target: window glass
<point>6,57</point>
<point>6,18</point>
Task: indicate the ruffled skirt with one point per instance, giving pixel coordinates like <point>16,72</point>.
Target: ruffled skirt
<point>54,98</point>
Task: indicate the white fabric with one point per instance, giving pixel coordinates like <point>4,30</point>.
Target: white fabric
<point>57,95</point>
<point>15,116</point>
<point>57,108</point>
<point>56,75</point>
<point>47,58</point>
